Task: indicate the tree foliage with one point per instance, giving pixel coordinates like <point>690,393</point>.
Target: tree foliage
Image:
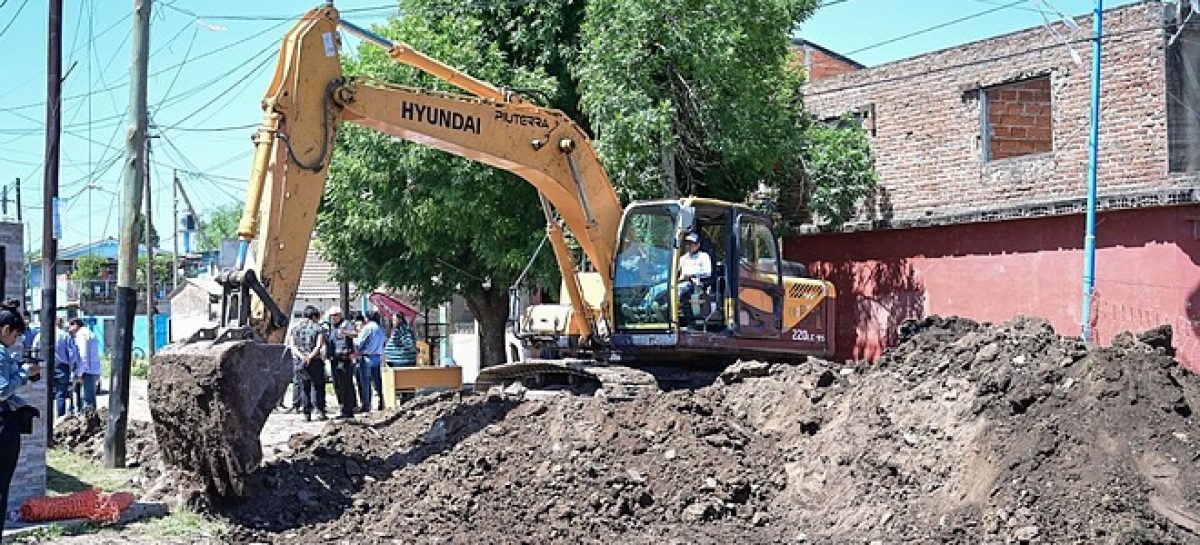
<point>682,97</point>
<point>141,231</point>
<point>403,215</point>
<point>219,224</point>
<point>89,267</point>
<point>693,97</point>
<point>841,172</point>
<point>162,269</point>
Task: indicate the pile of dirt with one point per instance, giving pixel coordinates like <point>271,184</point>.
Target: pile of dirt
<point>965,433</point>
<point>83,434</point>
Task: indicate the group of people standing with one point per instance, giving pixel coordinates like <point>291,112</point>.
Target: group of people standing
<point>76,366</point>
<point>353,351</point>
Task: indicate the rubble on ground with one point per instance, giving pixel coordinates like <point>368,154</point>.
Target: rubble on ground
<point>83,434</point>
<point>964,433</point>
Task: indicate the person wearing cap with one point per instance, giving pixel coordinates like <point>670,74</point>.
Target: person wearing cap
<point>339,346</point>
<point>695,266</point>
<point>308,340</point>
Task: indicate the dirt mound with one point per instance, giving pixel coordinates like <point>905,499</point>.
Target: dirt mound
<point>965,433</point>
<point>83,434</point>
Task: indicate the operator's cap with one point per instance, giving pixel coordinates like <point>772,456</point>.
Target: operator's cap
<point>333,310</point>
<point>692,237</point>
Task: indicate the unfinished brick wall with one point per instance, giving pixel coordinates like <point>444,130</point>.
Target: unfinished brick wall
<point>820,64</point>
<point>929,143</point>
<point>1018,119</point>
<point>29,479</point>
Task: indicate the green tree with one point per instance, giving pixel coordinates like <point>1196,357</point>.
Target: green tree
<point>403,215</point>
<point>693,97</point>
<point>89,267</point>
<point>220,224</point>
<point>162,269</point>
<point>141,230</point>
<point>840,172</point>
<point>683,98</point>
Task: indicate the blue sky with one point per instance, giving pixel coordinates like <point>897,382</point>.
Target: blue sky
<point>209,72</point>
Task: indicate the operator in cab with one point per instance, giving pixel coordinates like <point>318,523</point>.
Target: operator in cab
<point>695,266</point>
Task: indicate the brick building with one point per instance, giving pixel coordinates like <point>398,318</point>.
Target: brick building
<point>820,63</point>
<point>982,153</point>
<point>29,480</point>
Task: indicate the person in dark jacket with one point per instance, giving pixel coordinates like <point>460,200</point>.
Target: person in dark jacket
<point>339,349</point>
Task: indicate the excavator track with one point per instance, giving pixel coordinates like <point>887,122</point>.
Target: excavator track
<point>612,382</point>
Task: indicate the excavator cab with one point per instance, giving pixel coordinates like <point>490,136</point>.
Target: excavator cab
<point>750,306</point>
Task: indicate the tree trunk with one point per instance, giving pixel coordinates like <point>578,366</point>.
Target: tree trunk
<point>490,308</point>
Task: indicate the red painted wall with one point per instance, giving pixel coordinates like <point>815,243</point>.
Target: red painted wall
<point>1147,274</point>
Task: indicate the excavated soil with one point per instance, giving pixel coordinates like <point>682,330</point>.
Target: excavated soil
<point>964,433</point>
<point>83,434</point>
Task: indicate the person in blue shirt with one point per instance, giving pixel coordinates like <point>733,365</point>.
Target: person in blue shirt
<point>66,364</point>
<point>12,407</point>
<point>369,348</point>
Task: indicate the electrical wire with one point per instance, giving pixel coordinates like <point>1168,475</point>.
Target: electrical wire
<point>159,72</point>
<point>973,62</point>
<point>171,5</point>
<point>223,94</point>
<point>14,17</point>
<point>934,27</point>
<point>215,129</point>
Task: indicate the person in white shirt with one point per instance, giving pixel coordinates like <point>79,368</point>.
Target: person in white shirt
<point>88,372</point>
<point>694,267</point>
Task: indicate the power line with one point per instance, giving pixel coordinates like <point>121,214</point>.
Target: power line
<point>114,87</point>
<point>935,27</point>
<point>14,17</point>
<point>171,5</point>
<point>250,73</point>
<point>186,54</point>
<point>214,129</point>
<point>966,64</point>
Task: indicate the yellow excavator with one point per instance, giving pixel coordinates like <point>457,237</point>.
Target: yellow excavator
<point>211,395</point>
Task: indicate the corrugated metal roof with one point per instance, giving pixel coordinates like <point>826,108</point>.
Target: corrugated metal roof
<point>316,280</point>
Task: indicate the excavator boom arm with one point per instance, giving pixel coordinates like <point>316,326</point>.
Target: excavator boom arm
<point>309,97</point>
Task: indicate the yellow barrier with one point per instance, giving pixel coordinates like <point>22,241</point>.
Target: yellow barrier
<point>409,379</point>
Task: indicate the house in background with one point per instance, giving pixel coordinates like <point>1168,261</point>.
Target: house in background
<point>820,63</point>
<point>982,151</point>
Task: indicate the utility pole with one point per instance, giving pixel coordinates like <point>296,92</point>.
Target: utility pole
<point>149,258</point>
<point>178,228</point>
<point>1089,237</point>
<point>188,203</point>
<point>24,276</point>
<point>132,183</point>
<point>50,201</point>
<point>344,297</point>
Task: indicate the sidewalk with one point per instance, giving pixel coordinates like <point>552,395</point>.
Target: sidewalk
<point>275,434</point>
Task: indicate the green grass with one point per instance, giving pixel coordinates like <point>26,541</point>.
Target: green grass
<point>68,472</point>
<point>45,533</point>
<point>140,368</point>
<point>181,523</point>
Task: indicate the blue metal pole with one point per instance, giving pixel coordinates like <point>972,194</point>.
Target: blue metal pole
<point>1089,239</point>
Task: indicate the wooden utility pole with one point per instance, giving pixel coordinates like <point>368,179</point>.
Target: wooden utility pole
<point>24,257</point>
<point>132,183</point>
<point>149,258</point>
<point>50,203</point>
<point>178,229</point>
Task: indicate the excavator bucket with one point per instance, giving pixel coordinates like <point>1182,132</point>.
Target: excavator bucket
<point>209,401</point>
